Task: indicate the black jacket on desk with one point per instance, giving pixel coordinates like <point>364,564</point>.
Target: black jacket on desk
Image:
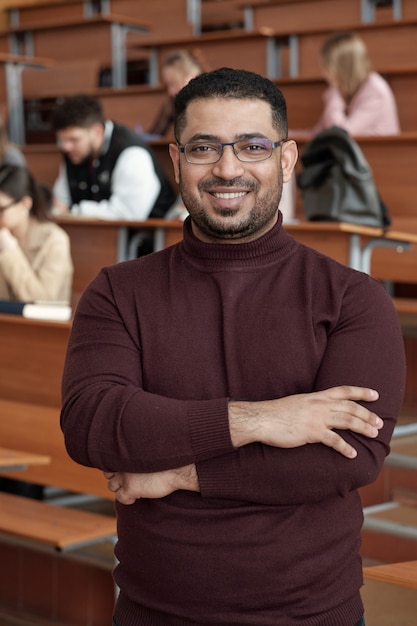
<point>92,180</point>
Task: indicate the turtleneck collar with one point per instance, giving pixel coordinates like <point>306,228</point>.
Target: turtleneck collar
<point>267,249</point>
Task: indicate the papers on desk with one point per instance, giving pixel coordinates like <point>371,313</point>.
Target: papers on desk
<point>51,311</point>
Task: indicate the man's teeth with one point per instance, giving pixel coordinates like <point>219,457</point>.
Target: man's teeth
<point>231,195</point>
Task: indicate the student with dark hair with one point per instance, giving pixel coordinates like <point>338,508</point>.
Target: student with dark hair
<point>35,256</point>
<point>107,171</point>
<point>237,389</point>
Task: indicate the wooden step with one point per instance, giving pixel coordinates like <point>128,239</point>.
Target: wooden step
<point>404,448</point>
<point>392,518</point>
<point>402,574</point>
<point>56,527</point>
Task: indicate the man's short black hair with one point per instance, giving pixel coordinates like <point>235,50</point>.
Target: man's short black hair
<point>231,83</point>
<point>80,110</point>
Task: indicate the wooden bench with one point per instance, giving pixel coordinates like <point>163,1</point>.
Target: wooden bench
<point>304,47</point>
<point>102,37</point>
<point>402,574</point>
<point>33,522</point>
<point>307,15</point>
<point>161,15</point>
<point>63,79</point>
<point>252,50</point>
<point>31,365</point>
<point>112,242</point>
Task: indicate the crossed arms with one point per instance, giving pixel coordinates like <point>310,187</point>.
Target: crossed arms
<point>284,423</point>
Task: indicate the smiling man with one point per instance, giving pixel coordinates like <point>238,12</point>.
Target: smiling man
<point>236,389</point>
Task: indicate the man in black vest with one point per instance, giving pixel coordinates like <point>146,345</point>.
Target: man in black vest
<point>108,171</point>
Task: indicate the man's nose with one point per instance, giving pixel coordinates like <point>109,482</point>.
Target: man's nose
<point>229,165</point>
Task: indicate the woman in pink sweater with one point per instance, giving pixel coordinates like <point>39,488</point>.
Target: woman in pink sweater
<point>357,99</point>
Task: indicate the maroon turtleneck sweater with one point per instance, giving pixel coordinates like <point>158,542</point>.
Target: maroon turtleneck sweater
<point>158,346</point>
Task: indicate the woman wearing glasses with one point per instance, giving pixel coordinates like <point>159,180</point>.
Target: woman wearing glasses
<point>35,258</point>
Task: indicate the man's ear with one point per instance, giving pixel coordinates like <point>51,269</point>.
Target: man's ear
<point>174,153</point>
<point>289,156</point>
<point>27,202</point>
<point>98,130</point>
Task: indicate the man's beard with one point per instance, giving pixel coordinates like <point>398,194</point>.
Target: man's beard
<point>262,213</point>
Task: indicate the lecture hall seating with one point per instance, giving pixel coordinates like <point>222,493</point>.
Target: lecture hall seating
<point>273,42</point>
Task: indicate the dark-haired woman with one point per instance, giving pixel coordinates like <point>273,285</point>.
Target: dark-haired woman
<point>35,256</point>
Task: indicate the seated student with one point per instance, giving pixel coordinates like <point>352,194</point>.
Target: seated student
<point>9,153</point>
<point>177,70</point>
<point>35,257</point>
<point>357,99</point>
<point>108,170</point>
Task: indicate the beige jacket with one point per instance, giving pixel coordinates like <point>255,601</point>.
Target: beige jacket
<point>41,269</point>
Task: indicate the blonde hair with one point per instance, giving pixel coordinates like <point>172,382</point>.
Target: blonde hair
<point>345,59</point>
<point>186,61</point>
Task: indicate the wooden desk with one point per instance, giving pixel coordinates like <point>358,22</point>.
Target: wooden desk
<point>31,361</point>
<point>97,243</point>
<point>101,36</point>
<point>354,245</point>
<point>403,574</point>
<point>13,460</point>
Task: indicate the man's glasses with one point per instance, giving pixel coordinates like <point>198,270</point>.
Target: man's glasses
<point>7,206</point>
<point>246,150</point>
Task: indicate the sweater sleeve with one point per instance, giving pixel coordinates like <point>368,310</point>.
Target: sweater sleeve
<point>108,418</point>
<point>366,349</point>
<point>47,277</point>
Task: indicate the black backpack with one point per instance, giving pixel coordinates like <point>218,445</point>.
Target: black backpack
<point>337,183</point>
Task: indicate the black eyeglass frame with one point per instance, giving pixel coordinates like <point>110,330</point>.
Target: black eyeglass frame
<point>222,145</point>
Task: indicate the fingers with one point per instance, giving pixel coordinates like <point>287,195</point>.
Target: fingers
<point>350,392</point>
<point>335,441</point>
<point>115,484</point>
<point>123,498</point>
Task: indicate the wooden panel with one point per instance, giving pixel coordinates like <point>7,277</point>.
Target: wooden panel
<point>17,459</point>
<point>404,86</point>
<point>43,161</point>
<point>239,49</point>
<point>401,37</point>
<point>44,12</point>
<point>135,106</point>
<point>58,527</point>
<point>90,40</point>
<point>36,429</point>
<point>334,244</point>
<point>31,367</point>
<point>164,17</point>
<point>305,16</point>
<point>403,574</point>
<point>304,102</point>
<point>91,249</point>
<point>61,79</point>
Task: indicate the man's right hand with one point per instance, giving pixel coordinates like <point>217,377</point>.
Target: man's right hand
<point>300,419</point>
